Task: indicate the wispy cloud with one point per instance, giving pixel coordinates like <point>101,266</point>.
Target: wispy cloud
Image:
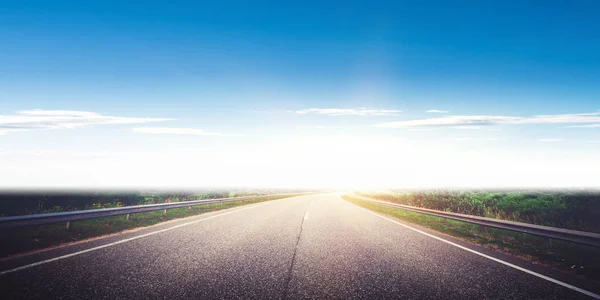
<point>61,113</point>
<point>551,140</point>
<point>451,121</point>
<point>469,127</point>
<point>178,131</point>
<point>471,121</point>
<point>472,139</point>
<point>460,139</point>
<point>54,153</point>
<point>265,111</point>
<point>419,129</point>
<point>437,111</point>
<point>319,126</point>
<point>359,111</point>
<point>63,119</point>
<point>593,117</point>
<point>584,126</point>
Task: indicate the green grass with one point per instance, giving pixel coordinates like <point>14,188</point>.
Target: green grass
<point>38,237</point>
<point>578,210</point>
<point>570,257</point>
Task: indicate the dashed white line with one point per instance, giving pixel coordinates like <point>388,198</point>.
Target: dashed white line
<point>585,292</point>
<point>307,209</point>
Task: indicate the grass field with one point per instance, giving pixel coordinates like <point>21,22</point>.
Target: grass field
<point>576,210</point>
<point>569,257</point>
<point>32,238</point>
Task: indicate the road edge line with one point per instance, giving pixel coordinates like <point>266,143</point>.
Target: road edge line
<point>564,284</point>
<point>121,241</point>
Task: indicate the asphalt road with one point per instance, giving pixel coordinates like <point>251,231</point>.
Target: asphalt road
<point>306,247</point>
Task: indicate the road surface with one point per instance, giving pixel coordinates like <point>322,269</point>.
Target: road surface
<point>306,247</point>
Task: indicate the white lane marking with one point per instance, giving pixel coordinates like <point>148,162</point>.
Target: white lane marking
<point>121,241</point>
<point>306,214</point>
<point>490,257</point>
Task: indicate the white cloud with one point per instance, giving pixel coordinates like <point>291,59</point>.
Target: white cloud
<point>471,139</point>
<point>550,140</point>
<point>319,126</point>
<point>477,121</point>
<point>419,129</point>
<point>62,119</point>
<point>437,111</point>
<point>460,139</point>
<point>40,112</point>
<point>311,127</point>
<point>263,111</point>
<point>593,141</point>
<point>584,126</point>
<point>360,111</point>
<point>54,153</point>
<point>469,127</point>
<point>564,118</point>
<point>451,121</point>
<point>178,131</point>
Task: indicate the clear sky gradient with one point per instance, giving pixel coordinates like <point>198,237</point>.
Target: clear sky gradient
<point>336,94</point>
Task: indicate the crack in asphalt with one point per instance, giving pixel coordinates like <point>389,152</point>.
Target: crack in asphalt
<point>289,277</point>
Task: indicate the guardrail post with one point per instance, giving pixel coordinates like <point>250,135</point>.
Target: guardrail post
<point>68,225</point>
<point>127,217</point>
<point>550,241</point>
<point>164,212</point>
<point>190,207</point>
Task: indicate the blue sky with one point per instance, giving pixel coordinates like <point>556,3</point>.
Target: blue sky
<point>300,94</point>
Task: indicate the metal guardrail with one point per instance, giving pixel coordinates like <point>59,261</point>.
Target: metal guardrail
<point>70,216</point>
<point>581,237</point>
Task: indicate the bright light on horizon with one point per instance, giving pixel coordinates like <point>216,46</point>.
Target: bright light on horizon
<point>347,161</point>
